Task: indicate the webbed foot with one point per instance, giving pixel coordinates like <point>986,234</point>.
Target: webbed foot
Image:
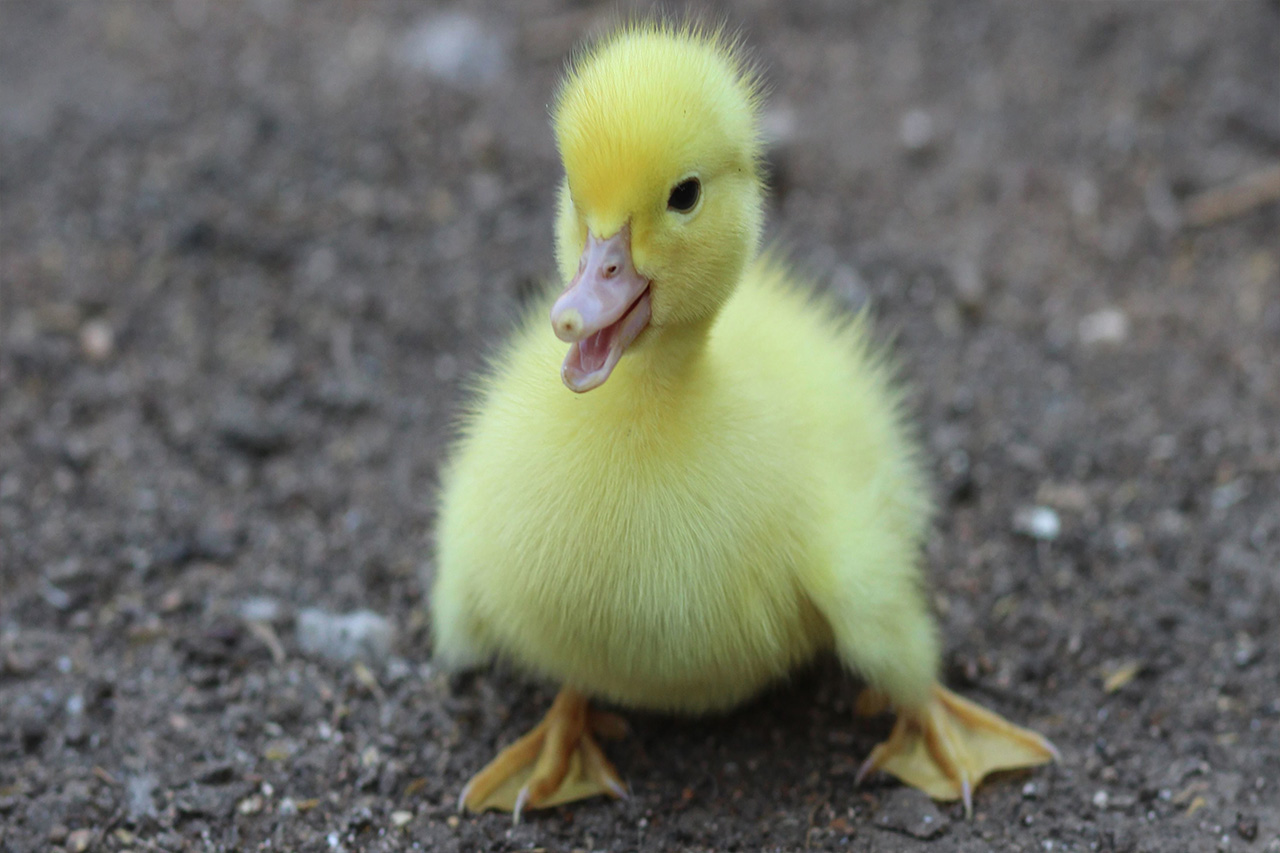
<point>557,762</point>
<point>949,746</point>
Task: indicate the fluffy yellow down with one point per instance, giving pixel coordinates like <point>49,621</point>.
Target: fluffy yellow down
<point>741,494</point>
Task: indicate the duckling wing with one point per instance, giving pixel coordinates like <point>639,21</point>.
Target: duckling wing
<point>852,451</point>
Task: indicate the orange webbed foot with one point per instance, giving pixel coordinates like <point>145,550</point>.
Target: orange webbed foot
<point>950,745</point>
<point>557,762</point>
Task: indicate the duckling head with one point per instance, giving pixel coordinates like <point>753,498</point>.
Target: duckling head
<point>661,207</point>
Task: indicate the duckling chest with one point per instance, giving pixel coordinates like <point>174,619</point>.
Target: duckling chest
<point>671,574</point>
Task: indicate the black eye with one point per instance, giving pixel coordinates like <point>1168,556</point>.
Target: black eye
<point>684,195</point>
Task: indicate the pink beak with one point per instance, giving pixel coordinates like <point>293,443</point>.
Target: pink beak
<point>601,312</point>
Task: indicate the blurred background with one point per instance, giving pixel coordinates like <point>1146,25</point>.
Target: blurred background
<point>251,249</point>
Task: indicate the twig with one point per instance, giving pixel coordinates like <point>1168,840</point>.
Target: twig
<point>267,635</point>
<point>1252,191</point>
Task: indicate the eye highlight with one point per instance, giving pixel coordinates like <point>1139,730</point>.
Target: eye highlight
<point>684,195</point>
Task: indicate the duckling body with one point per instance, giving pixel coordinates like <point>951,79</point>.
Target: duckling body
<point>713,484</point>
<point>700,536</point>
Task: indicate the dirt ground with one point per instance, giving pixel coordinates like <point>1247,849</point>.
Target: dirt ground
<point>250,249</point>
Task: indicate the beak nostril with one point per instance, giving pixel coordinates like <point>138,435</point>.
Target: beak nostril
<point>611,270</point>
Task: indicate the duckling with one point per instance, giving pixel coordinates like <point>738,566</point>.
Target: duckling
<point>714,484</point>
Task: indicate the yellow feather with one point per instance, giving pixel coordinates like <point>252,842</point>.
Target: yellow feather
<point>742,493</point>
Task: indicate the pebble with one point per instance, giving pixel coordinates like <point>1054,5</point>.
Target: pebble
<point>910,812</point>
<point>850,286</point>
<point>97,340</point>
<point>970,286</point>
<point>345,637</point>
<point>1161,205</point>
<point>204,801</point>
<point>250,432</point>
<point>260,608</point>
<point>139,796</point>
<point>216,539</point>
<point>916,131</point>
<point>455,47</point>
<point>1247,652</point>
<point>401,818</point>
<point>1108,326</point>
<point>250,805</point>
<point>1228,495</point>
<point>79,841</point>
<point>778,126</point>
<point>1037,522</point>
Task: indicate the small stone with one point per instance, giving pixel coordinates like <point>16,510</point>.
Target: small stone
<point>1248,651</point>
<point>1037,522</point>
<point>217,773</point>
<point>79,841</point>
<point>216,540</point>
<point>250,432</point>
<point>1162,207</point>
<point>204,801</point>
<point>916,131</point>
<point>401,818</point>
<point>1121,802</point>
<point>343,638</point>
<point>1227,495</point>
<point>778,126</point>
<point>58,833</point>
<point>250,805</point>
<point>139,797</point>
<point>260,608</point>
<point>97,340</point>
<point>455,47</point>
<point>344,396</point>
<point>1108,326</point>
<point>1100,799</point>
<point>910,812</point>
<point>1072,497</point>
<point>1247,826</point>
<point>58,598</point>
<point>452,821</point>
<point>970,286</point>
<point>279,750</point>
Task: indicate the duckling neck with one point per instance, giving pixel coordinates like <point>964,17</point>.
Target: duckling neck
<point>665,364</point>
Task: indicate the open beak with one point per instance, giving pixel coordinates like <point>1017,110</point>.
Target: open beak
<point>601,312</point>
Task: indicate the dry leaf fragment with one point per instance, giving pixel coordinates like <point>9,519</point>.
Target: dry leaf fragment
<point>1121,676</point>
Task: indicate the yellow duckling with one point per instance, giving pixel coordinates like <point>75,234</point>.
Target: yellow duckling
<point>737,492</point>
